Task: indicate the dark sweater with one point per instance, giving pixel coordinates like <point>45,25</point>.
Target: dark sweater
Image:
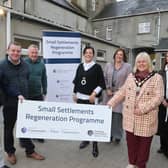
<point>94,77</point>
<point>37,78</point>
<point>14,79</point>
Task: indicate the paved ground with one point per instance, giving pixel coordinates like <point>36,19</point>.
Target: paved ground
<point>65,154</point>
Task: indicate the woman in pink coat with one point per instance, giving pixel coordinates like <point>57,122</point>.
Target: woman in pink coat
<point>142,93</point>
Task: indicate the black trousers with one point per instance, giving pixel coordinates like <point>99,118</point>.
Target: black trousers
<point>163,129</point>
<point>80,101</point>
<point>85,102</point>
<point>164,143</point>
<point>25,141</point>
<point>10,116</point>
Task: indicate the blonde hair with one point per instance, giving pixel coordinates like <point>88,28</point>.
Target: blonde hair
<point>145,56</point>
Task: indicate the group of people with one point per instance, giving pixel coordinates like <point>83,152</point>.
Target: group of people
<point>20,79</point>
<point>135,96</point>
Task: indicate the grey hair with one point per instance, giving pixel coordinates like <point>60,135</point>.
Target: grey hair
<point>32,46</point>
<point>146,56</point>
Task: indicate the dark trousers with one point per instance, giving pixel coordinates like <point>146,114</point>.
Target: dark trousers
<point>10,116</point>
<point>84,102</point>
<point>163,129</point>
<point>138,149</point>
<point>25,140</point>
<point>164,143</point>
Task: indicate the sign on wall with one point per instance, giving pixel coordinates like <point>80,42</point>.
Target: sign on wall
<point>61,52</point>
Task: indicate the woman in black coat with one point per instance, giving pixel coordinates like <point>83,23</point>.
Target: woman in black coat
<point>88,85</point>
<point>163,112</point>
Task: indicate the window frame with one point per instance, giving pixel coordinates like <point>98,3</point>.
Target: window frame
<point>103,57</point>
<point>144,28</point>
<point>7,3</point>
<point>109,33</point>
<point>93,5</point>
<point>25,50</point>
<point>96,31</point>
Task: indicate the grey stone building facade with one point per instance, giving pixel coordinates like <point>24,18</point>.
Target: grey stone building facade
<point>139,25</point>
<point>25,20</point>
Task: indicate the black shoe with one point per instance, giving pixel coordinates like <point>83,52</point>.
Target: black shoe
<point>160,150</point>
<point>166,154</point>
<point>117,141</point>
<point>5,166</point>
<point>83,144</point>
<point>95,151</point>
<point>40,140</point>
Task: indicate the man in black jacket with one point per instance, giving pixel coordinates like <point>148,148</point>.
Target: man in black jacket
<point>14,74</point>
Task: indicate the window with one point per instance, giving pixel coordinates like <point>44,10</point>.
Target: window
<point>25,42</point>
<point>93,5</point>
<point>162,60</point>
<point>7,3</point>
<point>144,27</point>
<point>101,55</point>
<point>29,6</point>
<point>109,33</point>
<point>96,31</point>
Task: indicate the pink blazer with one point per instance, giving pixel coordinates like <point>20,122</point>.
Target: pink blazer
<point>148,100</point>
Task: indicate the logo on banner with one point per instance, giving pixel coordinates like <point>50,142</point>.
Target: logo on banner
<point>90,132</point>
<point>24,130</point>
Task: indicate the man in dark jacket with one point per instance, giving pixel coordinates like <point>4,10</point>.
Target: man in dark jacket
<point>14,75</point>
<point>37,77</point>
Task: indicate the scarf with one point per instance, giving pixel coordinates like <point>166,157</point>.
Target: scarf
<point>141,75</point>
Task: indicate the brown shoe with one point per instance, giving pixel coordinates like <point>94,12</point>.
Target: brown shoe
<point>11,158</point>
<point>35,156</point>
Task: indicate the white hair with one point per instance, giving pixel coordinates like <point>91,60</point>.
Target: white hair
<point>146,57</point>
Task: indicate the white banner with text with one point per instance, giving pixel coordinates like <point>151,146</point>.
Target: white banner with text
<point>66,121</point>
<point>62,51</point>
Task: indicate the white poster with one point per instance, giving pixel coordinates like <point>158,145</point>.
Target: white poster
<point>67,121</point>
<point>62,52</point>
